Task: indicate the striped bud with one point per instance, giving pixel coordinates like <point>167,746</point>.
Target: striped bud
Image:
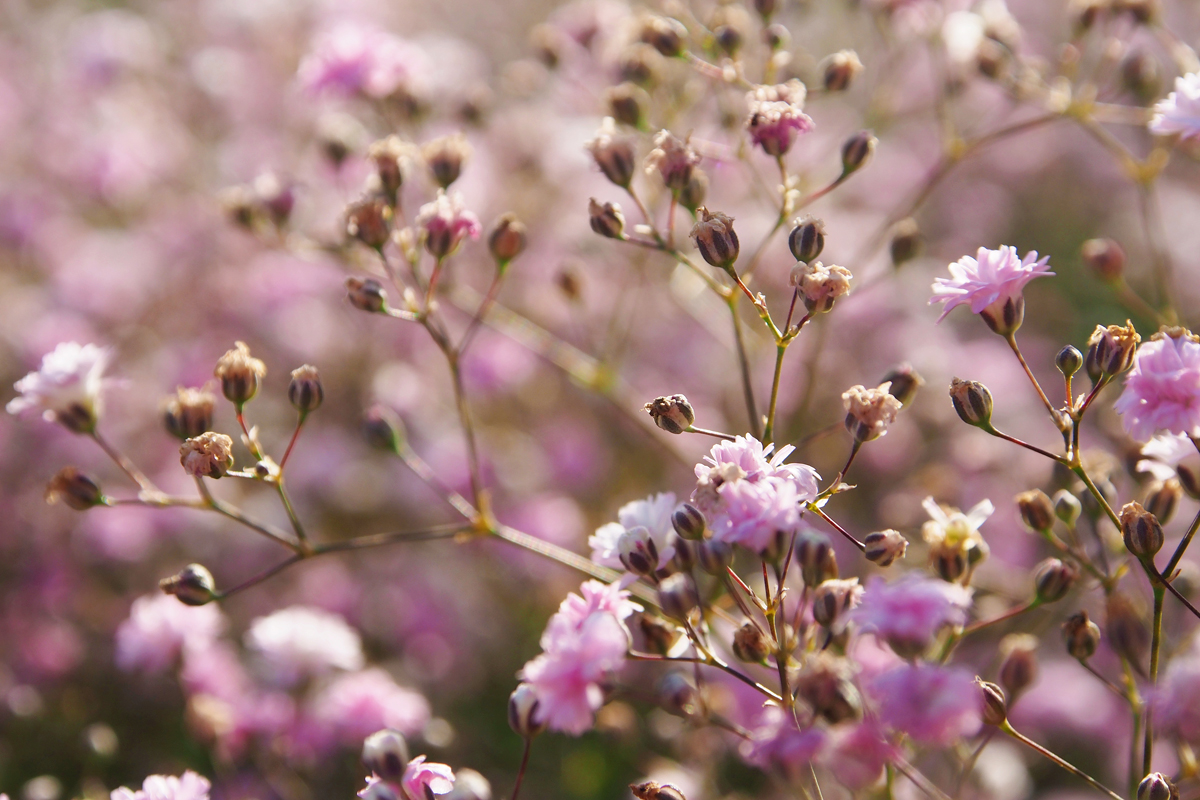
<point>972,401</point>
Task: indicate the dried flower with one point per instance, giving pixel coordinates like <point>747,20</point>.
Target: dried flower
<point>1081,636</point>
<point>627,103</point>
<point>869,412</point>
<point>445,157</point>
<point>239,374</point>
<point>391,156</point>
<point>613,154</point>
<point>972,401</point>
<point>672,159</point>
<point>1162,391</point>
<point>209,455</point>
<point>664,34</point>
<point>606,220</point>
<point>1110,351</point>
<point>507,239</point>
<point>75,489</point>
<point>991,285</point>
<point>189,413</point>
<point>673,414</point>
<point>369,221</point>
<point>820,286</point>
<point>66,387</point>
<point>1141,532</point>
<point>714,236</point>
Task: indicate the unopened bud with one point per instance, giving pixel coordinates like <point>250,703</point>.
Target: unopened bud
<point>807,238</point>
<point>677,596</point>
<point>1018,669</point>
<point>826,686</point>
<point>839,69</point>
<point>383,428</point>
<point>688,522</point>
<point>366,294</point>
<point>906,241</point>
<point>1189,480</point>
<point>209,455</point>
<point>75,489</point>
<point>1084,14</point>
<point>507,239</point>
<point>857,149</point>
<point>1110,350</point>
<point>833,598</point>
<point>627,103</point>
<point>714,236</point>
<point>388,155</point>
<point>1053,578</point>
<point>1128,634</point>
<point>239,374</point>
<point>1105,258</point>
<point>385,754</point>
<point>1037,511</point>
<point>613,155</point>
<point>607,219</point>
<point>673,414</point>
<point>949,563</point>
<point>523,712</point>
<point>869,412</point>
<point>1141,531</point>
<point>1068,360</point>
<point>638,552</point>
<point>904,382</point>
<point>665,35</point>
<point>884,547</point>
<point>305,391</point>
<point>729,39</point>
<point>685,555</point>
<point>766,8</point>
<point>816,559</point>
<point>1081,636</point>
<point>369,221</point>
<point>445,157</point>
<point>777,37</point>
<point>659,636</point>
<point>189,413</point>
<point>1067,507</point>
<point>692,195</point>
<point>713,555</point>
<point>750,644</point>
<point>995,707</point>
<point>972,401</point>
<point>1163,498</point>
<point>193,585</point>
<point>677,693</point>
<point>641,64</point>
<point>1157,786</point>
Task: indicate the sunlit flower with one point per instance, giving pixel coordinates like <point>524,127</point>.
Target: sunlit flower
<point>777,116</point>
<point>988,282</point>
<point>66,387</point>
<point>446,222</point>
<point>932,704</point>
<point>353,59</point>
<point>653,514</point>
<point>909,612</point>
<point>188,786</point>
<point>300,641</point>
<point>780,743</point>
<point>356,704</point>
<point>1179,112</point>
<point>422,778</point>
<point>1162,390</point>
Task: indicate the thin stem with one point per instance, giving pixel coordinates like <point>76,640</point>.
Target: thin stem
<point>708,660</point>
<point>1151,222</point>
<point>521,771</point>
<point>727,437</point>
<point>780,350</point>
<point>484,307</point>
<point>250,441</point>
<point>1008,729</point>
<point>1096,493</point>
<point>813,508</point>
<point>426,473</point>
<point>1181,548</point>
<point>433,280</point>
<point>1026,445</point>
<point>292,443</point>
<point>744,364</point>
<point>1012,612</point>
<point>1155,645</point>
<point>127,466</point>
<point>394,537</point>
<point>270,572</point>
<point>1011,338</point>
<point>234,513</point>
<point>301,536</point>
<point>1117,690</point>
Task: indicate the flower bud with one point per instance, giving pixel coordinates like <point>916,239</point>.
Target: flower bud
<point>613,155</point>
<point>692,195</point>
<point>388,156</point>
<point>972,401</point>
<point>820,286</point>
<point>715,238</point>
<point>664,34</point>
<point>814,555</point>
<point>369,221</point>
<point>1081,636</point>
<point>1157,786</point>
<point>685,555</point>
<point>209,455</point>
<point>906,241</point>
<point>677,693</point>
<point>766,8</point>
<point>995,707</point>
<point>239,374</point>
<point>366,294</point>
<point>607,220</point>
<point>638,552</point>
<point>904,382</point>
<point>729,39</point>
<point>193,585</point>
<point>673,414</point>
<point>1128,634</point>
<point>1068,360</point>
<point>777,37</point>
<point>1141,75</point>
<point>659,636</point>
<point>1067,507</point>
<point>1037,511</point>
<point>713,555</point>
<point>1084,14</point>
<point>884,547</point>
<point>833,598</point>
<point>869,412</point>
<point>1018,669</point>
<point>1052,579</point>
<point>383,790</point>
<point>383,428</point>
<point>677,596</point>
<point>807,239</point>
<point>1105,258</point>
<point>857,149</point>
<point>949,563</point>
<point>688,522</point>
<point>641,64</point>
<point>839,69</point>
<point>1162,498</point>
<point>445,157</point>
<point>385,754</point>
<point>305,391</point>
<point>189,413</point>
<point>1189,480</point>
<point>507,239</point>
<point>655,791</point>
<point>75,489</point>
<point>750,644</point>
<point>825,685</point>
<point>627,103</point>
<point>1110,350</point>
<point>1141,531</point>
<point>523,712</point>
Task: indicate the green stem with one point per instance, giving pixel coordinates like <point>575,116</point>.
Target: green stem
<point>769,429</point>
<point>744,364</point>
<point>1008,729</point>
<point>1011,338</point>
<point>234,513</point>
<point>1155,645</point>
<point>1181,548</point>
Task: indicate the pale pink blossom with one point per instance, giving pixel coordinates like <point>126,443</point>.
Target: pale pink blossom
<point>446,222</point>
<point>1164,453</point>
<point>1162,390</point>
<point>188,786</point>
<point>779,743</point>
<point>1179,112</point>
<point>353,59</point>
<point>423,779</point>
<point>777,116</point>
<point>988,280</point>
<point>300,641</point>
<point>159,627</point>
<point>858,755</point>
<point>908,613</point>
<point>66,388</point>
<point>1175,702</point>
<point>932,704</point>
<point>355,705</point>
<point>653,514</point>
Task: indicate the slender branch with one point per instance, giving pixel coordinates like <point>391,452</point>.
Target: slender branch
<point>1011,338</point>
<point>484,308</point>
<point>395,537</point>
<point>744,364</point>
<point>1026,445</point>
<point>292,443</point>
<point>1008,729</point>
<point>524,763</point>
<point>1155,646</point>
<point>221,507</point>
<point>301,536</point>
<point>270,572</point>
<point>1012,612</point>
<point>717,434</point>
<point>780,350</point>
<point>1181,548</point>
<point>816,510</point>
<point>127,466</point>
<point>426,473</point>
<point>711,661</point>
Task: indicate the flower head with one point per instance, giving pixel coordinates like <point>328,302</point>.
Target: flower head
<point>653,514</point>
<point>953,537</point>
<point>356,704</point>
<point>1179,112</point>
<point>423,779</point>
<point>991,284</point>
<point>353,59</point>
<point>188,786</point>
<point>777,116</point>
<point>1164,453</point>
<point>159,627</point>
<point>209,455</point>
<point>909,612</point>
<point>1162,391</point>
<point>932,704</point>
<point>66,387</point>
<point>300,641</point>
<point>780,743</point>
<point>446,222</point>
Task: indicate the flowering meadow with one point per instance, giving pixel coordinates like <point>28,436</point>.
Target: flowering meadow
<point>598,400</point>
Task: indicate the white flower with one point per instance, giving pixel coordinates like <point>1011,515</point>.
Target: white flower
<point>1163,454</point>
<point>66,387</point>
<point>301,641</point>
<point>653,514</point>
<point>1179,112</point>
<point>950,525</point>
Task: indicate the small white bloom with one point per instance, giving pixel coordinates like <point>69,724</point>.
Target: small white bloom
<point>1164,453</point>
<point>301,641</point>
<point>1179,112</point>
<point>66,387</point>
<point>653,514</point>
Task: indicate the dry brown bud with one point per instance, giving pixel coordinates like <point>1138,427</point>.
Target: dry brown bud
<point>189,413</point>
<point>239,374</point>
<point>209,455</point>
<point>74,489</point>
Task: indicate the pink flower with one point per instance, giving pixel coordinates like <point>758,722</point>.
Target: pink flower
<point>934,705</point>
<point>653,514</point>
<point>1179,112</point>
<point>446,222</point>
<point>1175,702</point>
<point>908,613</point>
<point>988,281</point>
<point>189,786</point>
<point>1162,391</point>
<point>353,59</point>
<point>159,627</point>
<point>355,705</point>
<point>777,116</point>
<point>421,780</point>
<point>66,387</point>
<point>779,743</point>
<point>858,755</point>
<point>1164,453</point>
<point>300,641</point>
<point>583,642</point>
